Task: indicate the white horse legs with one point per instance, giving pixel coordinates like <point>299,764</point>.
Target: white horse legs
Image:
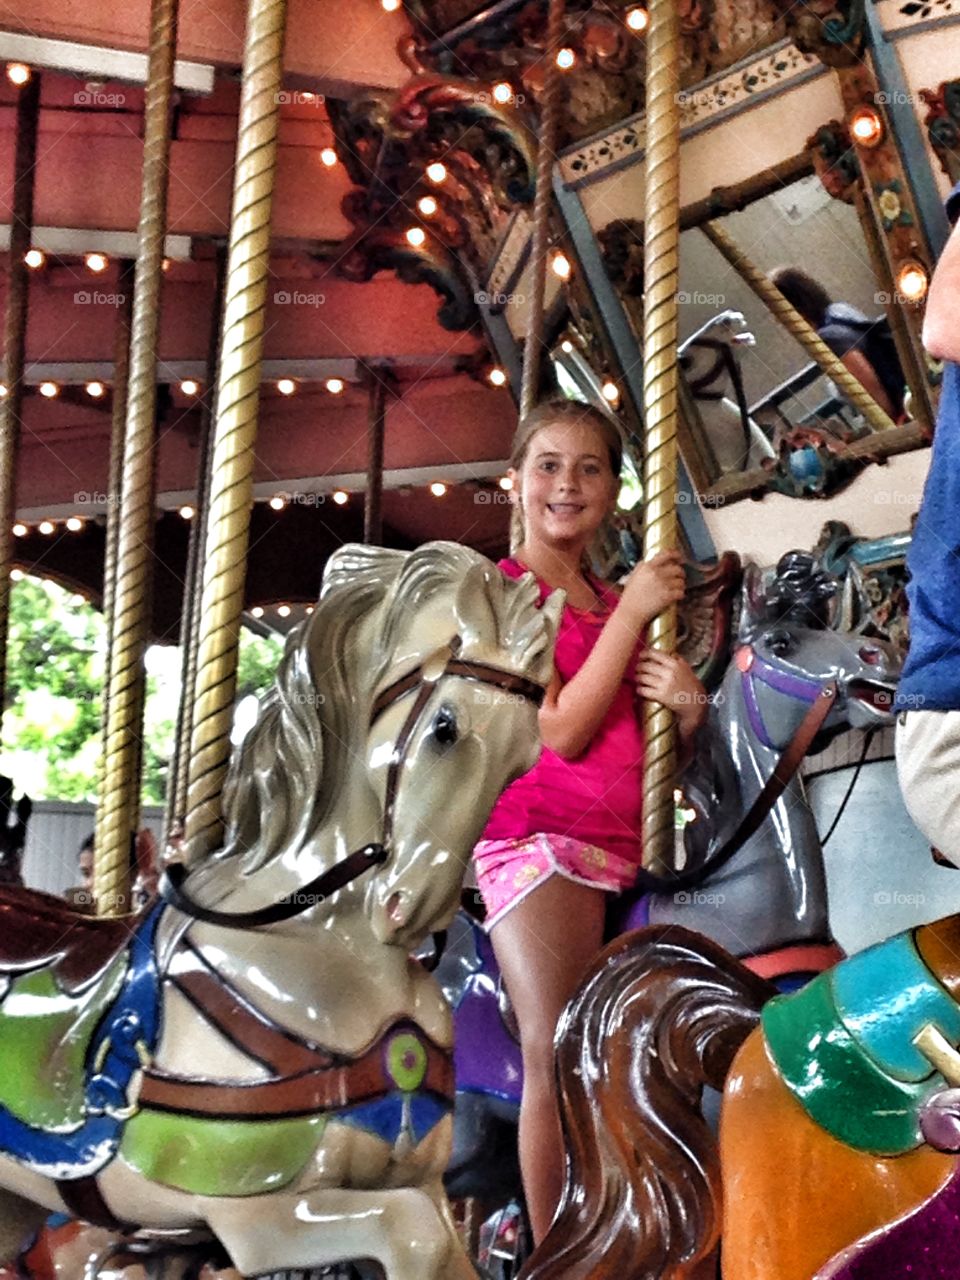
<point>405,1230</point>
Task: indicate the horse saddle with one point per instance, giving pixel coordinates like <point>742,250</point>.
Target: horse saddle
<point>79,1014</point>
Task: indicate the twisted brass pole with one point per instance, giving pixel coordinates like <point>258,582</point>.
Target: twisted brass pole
<point>14,346</point>
<point>190,612</point>
<point>118,422</point>
<point>546,156</point>
<point>118,811</point>
<point>791,319</point>
<point>238,394</point>
<point>661,254</point>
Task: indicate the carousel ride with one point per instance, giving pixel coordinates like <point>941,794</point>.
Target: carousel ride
<point>519,196</point>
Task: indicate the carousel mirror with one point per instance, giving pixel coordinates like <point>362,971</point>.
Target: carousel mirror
<point>761,412</point>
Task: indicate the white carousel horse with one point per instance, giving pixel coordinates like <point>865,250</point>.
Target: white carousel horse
<point>257,1056</point>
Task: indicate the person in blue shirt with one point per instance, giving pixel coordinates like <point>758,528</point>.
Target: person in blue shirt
<point>928,697</point>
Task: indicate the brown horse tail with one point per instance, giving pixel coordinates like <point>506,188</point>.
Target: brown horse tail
<point>661,1013</point>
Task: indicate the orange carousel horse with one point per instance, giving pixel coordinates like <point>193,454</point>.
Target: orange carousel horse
<point>838,1131</point>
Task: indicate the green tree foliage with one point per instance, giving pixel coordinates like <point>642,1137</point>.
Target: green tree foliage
<point>51,728</point>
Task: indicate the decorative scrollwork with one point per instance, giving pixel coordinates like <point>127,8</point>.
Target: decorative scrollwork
<point>943,125</point>
<point>831,29</point>
<point>835,160</point>
<point>385,248</point>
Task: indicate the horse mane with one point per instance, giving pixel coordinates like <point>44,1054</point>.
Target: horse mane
<point>660,1013</point>
<point>285,777</point>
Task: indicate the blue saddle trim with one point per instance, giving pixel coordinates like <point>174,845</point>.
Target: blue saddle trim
<point>133,1017</point>
<point>885,996</point>
<point>412,1113</point>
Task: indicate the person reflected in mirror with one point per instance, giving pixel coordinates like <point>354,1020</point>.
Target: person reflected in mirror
<point>566,835</point>
<point>928,694</point>
<point>865,347</point>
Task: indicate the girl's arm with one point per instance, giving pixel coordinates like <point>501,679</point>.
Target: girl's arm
<point>572,712</point>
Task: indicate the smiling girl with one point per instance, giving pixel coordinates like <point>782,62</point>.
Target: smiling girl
<point>567,833</point>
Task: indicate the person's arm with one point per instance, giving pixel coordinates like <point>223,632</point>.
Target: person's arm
<point>941,323</point>
<point>572,712</point>
<point>865,374</point>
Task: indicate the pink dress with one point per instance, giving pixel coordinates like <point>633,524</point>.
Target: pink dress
<point>577,818</point>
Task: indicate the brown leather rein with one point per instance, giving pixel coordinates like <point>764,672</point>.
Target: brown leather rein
<point>422,680</point>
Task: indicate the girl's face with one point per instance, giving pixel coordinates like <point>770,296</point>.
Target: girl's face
<point>566,485</point>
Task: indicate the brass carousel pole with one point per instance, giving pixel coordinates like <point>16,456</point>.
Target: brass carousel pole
<point>546,157</point>
<point>189,617</point>
<point>118,811</point>
<point>14,345</point>
<point>238,395</point>
<point>791,319</point>
<point>661,255</point>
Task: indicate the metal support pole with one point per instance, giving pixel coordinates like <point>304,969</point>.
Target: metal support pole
<point>373,501</point>
<point>661,258</point>
<point>190,613</point>
<point>118,812</point>
<point>14,346</point>
<point>797,327</point>
<point>238,396</point>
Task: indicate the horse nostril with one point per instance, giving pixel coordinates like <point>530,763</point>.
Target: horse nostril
<point>870,654</point>
<point>395,908</point>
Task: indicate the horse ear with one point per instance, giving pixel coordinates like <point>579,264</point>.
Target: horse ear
<point>753,608</point>
<point>474,608</point>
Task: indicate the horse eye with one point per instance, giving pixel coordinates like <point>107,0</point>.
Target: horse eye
<point>445,726</point>
<point>779,642</point>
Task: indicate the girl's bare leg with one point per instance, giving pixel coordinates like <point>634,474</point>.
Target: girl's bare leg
<point>544,945</point>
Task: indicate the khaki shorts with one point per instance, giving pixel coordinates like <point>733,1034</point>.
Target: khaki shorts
<point>928,765</point>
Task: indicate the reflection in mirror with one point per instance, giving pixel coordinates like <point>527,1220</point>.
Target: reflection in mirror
<point>751,383</point>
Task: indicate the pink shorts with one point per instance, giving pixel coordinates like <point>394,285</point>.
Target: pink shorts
<point>507,870</point>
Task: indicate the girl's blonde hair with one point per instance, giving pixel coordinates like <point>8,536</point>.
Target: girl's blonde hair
<point>545,414</point>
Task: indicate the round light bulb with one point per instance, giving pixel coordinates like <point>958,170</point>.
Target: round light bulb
<point>566,345</point>
<point>286,386</point>
<point>505,483</point>
<point>96,261</point>
<point>46,527</point>
<point>503,93</point>
<point>283,610</point>
<point>278,502</point>
<point>189,386</point>
<point>328,157</point>
<point>340,497</point>
<point>416,236</point>
<point>913,281</point>
<point>95,390</point>
<point>427,206</point>
<point>18,73</point>
<point>19,530</point>
<point>34,258</point>
<point>610,392</point>
<point>438,489</point>
<point>49,390</point>
<point>257,611</point>
<point>866,126</point>
<point>3,390</point>
<point>497,377</point>
<point>187,512</point>
<point>16,575</point>
<point>638,19</point>
<point>565,59</point>
<point>74,524</point>
<point>437,172</point>
<point>391,6</point>
<point>334,386</point>
<point>560,265</point>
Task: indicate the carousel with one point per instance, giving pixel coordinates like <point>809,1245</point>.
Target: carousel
<point>279,282</point>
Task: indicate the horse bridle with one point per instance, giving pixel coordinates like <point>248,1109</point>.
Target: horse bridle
<point>422,680</point>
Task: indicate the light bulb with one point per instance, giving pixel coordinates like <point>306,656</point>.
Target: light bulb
<point>286,386</point>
